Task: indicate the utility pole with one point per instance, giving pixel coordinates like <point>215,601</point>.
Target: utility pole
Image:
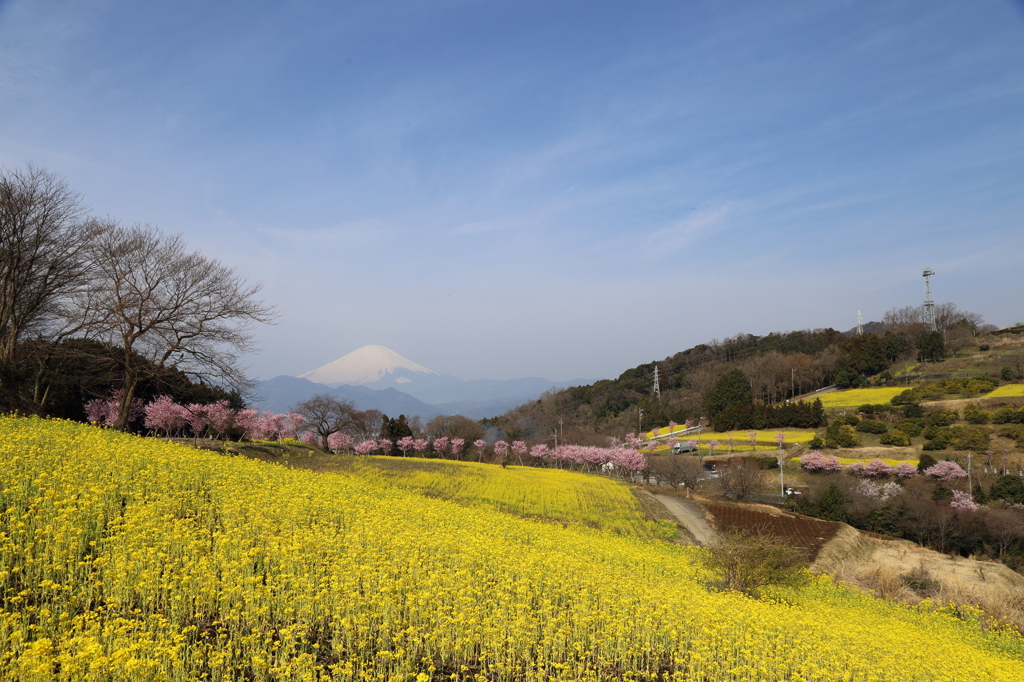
<point>792,381</point>
<point>640,427</point>
<point>970,486</point>
<point>657,388</point>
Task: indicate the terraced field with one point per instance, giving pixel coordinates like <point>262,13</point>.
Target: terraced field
<point>134,559</point>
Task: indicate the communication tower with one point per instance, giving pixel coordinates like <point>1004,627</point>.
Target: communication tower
<point>860,324</point>
<point>928,310</point>
<point>657,388</point>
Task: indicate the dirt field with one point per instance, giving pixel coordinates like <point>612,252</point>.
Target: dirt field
<point>793,529</point>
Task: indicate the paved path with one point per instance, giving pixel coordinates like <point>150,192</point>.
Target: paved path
<point>691,515</point>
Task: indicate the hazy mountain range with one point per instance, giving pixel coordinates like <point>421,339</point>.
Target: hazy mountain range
<point>375,377</point>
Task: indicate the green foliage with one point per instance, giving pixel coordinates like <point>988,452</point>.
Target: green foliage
<point>816,443</point>
<point>974,438</point>
<point>913,411</point>
<point>1006,374</point>
<point>941,494</point>
<point>395,429</point>
<point>840,436</point>
<point>848,419</point>
<point>978,493</point>
<point>863,356</point>
<point>732,389</point>
<point>1008,488</point>
<point>1008,415</point>
<point>872,426</point>
<point>895,437</point>
<point>944,418</point>
<point>911,427</point>
<point>972,415</point>
<point>931,347</point>
<point>748,562</point>
<point>832,504</point>
<point>925,462</point>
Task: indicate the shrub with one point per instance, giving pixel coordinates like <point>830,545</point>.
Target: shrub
<point>840,436</point>
<point>1008,415</point>
<point>816,443</point>
<point>1009,488</point>
<point>925,462</point>
<point>905,398</point>
<point>969,437</point>
<point>972,415</point>
<point>911,427</point>
<point>872,426</point>
<point>1006,374</point>
<point>895,437</point>
<point>747,562</point>
<point>848,419</point>
<point>983,346</point>
<point>944,418</point>
<point>913,411</point>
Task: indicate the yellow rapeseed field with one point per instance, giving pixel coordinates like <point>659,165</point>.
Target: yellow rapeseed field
<point>545,493</point>
<point>131,559</point>
<point>1007,391</point>
<point>856,397</point>
<point>891,462</point>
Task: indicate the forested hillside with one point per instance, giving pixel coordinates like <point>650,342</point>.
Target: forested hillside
<point>776,367</point>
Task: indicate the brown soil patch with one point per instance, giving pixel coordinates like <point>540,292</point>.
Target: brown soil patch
<point>792,529</point>
<point>898,570</point>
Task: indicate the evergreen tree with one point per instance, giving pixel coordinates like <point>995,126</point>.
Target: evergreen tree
<point>832,504</point>
<point>732,389</point>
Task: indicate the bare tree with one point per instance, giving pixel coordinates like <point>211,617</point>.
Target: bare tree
<point>44,255</point>
<point>155,305</point>
<point>678,470</point>
<point>741,479</point>
<point>367,424</point>
<point>326,414</point>
<point>455,426</point>
<point>1006,527</point>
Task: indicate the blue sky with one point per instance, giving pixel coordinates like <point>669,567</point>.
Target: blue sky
<point>558,189</point>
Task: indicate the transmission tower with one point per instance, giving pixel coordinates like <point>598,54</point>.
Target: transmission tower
<point>860,324</point>
<point>928,310</point>
<point>657,388</point>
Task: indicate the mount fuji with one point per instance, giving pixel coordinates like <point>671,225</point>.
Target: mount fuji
<point>379,378</point>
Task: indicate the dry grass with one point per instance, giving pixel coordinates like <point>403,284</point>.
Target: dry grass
<point>900,571</point>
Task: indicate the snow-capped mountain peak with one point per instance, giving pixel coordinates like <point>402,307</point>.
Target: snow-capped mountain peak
<point>365,365</point>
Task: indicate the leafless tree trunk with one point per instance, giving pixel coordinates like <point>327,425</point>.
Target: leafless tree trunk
<point>327,414</point>
<point>155,305</point>
<point>44,255</point>
<point>741,479</point>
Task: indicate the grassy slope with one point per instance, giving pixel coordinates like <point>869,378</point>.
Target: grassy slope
<point>124,558</point>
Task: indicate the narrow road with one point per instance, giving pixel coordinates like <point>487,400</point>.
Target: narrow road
<point>691,516</point>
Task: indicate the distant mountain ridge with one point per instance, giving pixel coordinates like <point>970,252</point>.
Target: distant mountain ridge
<point>376,377</point>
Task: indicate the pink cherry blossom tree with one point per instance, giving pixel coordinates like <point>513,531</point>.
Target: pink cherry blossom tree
<point>963,502</point>
<point>339,442</point>
<point>441,446</point>
<point>366,447</point>
<point>480,444</point>
<point>945,471</point>
<point>405,444</point>
<point>221,416</point>
<point>421,445</point>
<point>457,444</point>
<point>501,449</point>
<point>385,445</point>
<point>519,449</point>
